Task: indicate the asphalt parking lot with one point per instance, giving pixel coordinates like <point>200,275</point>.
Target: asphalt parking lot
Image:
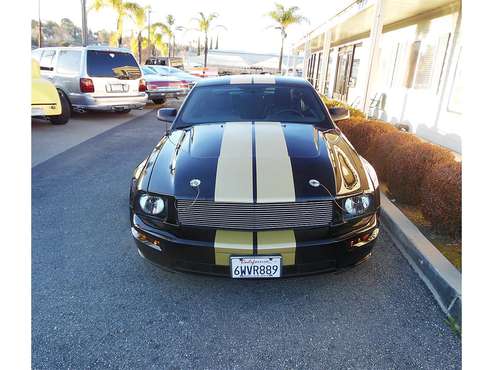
<point>97,304</point>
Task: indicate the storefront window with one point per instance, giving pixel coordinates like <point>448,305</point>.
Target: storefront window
<point>455,103</point>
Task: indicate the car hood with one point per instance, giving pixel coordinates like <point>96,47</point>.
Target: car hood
<point>255,162</point>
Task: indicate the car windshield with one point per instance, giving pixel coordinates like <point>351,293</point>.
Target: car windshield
<point>256,102</point>
<point>112,64</point>
<point>175,70</point>
<point>148,71</point>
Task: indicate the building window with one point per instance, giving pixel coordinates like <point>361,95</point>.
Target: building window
<point>46,63</point>
<point>69,61</point>
<point>327,73</point>
<point>424,68</point>
<point>317,71</point>
<point>455,103</point>
<point>353,77</point>
<point>431,63</point>
<point>411,64</point>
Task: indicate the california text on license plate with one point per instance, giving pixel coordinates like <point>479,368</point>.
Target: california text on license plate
<point>247,267</point>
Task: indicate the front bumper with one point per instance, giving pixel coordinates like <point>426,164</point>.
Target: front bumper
<point>107,103</point>
<point>42,110</point>
<point>311,255</point>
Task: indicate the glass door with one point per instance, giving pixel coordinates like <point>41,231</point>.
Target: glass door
<point>343,72</point>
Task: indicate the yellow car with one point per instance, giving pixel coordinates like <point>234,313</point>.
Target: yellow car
<point>46,101</point>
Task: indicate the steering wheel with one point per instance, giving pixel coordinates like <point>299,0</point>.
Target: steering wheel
<point>289,110</point>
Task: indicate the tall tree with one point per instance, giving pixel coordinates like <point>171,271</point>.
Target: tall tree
<point>124,10</point>
<point>172,28</point>
<point>283,18</point>
<point>205,25</point>
<point>35,33</point>
<point>217,42</point>
<point>158,31</point>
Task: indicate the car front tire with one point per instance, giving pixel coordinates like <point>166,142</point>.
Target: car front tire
<point>66,111</point>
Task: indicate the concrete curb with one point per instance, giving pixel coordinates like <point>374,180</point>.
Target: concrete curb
<point>439,275</point>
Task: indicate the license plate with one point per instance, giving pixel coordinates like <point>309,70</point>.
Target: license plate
<point>255,267</point>
<point>118,88</point>
<point>37,111</point>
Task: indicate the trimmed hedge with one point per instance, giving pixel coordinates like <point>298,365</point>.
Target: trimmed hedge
<point>417,173</point>
<point>410,166</point>
<point>441,197</point>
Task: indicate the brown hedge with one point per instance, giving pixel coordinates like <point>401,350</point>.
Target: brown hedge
<point>441,197</point>
<point>416,172</point>
<point>381,153</point>
<point>410,165</point>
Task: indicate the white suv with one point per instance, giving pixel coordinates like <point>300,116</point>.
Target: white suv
<point>94,77</point>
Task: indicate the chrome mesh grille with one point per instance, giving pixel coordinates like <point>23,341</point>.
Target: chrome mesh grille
<point>254,216</point>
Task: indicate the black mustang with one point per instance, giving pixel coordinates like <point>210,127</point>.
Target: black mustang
<point>253,179</point>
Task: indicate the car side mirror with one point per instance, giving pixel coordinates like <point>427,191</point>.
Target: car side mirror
<point>339,113</point>
<point>167,115</point>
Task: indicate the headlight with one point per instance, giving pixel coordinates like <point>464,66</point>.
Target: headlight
<point>358,205</point>
<point>152,204</point>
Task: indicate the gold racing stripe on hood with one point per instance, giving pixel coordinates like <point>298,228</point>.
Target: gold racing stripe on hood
<point>234,174</point>
<point>274,172</point>
<point>281,242</point>
<point>228,242</point>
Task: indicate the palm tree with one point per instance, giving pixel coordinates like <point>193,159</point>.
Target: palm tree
<point>204,24</point>
<point>172,28</point>
<point>124,9</point>
<point>158,30</point>
<point>283,18</point>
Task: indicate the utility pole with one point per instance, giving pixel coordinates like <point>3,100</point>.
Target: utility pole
<point>139,44</point>
<point>84,23</point>
<point>40,32</point>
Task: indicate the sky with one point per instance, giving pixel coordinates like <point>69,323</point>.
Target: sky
<point>245,20</point>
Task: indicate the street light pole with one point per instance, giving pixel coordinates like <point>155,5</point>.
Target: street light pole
<point>84,23</point>
<point>40,32</point>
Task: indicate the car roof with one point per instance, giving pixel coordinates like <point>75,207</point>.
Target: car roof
<point>278,80</point>
<point>90,47</point>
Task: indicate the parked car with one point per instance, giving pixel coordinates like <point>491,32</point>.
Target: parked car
<point>94,77</point>
<point>253,179</point>
<point>159,88</point>
<point>46,101</point>
<point>175,72</point>
<point>166,61</point>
